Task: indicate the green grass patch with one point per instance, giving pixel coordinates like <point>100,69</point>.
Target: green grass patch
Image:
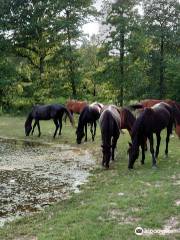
<point>113,203</point>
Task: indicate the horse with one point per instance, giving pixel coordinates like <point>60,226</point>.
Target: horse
<point>47,112</point>
<point>118,118</point>
<point>75,106</point>
<point>151,120</point>
<point>110,125</point>
<point>90,114</point>
<point>151,102</point>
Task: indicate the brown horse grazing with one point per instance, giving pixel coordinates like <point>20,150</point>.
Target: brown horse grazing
<point>151,120</point>
<point>90,114</point>
<point>112,120</point>
<point>110,125</point>
<point>47,112</point>
<point>151,102</point>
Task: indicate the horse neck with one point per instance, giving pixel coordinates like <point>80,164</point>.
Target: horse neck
<point>106,129</point>
<point>29,118</point>
<point>127,120</point>
<point>81,121</point>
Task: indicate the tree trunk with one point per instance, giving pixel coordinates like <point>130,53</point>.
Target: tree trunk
<point>94,89</point>
<point>121,62</point>
<point>71,69</point>
<point>161,69</point>
<point>41,67</point>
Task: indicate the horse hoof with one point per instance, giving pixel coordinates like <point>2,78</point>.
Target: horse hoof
<point>142,163</point>
<point>130,168</point>
<point>154,167</point>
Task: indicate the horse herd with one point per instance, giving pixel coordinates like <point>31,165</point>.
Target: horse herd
<point>154,116</point>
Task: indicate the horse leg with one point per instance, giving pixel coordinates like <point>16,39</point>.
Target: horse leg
<point>60,126</point>
<point>39,128</point>
<point>85,126</point>
<point>169,131</point>
<point>57,126</point>
<point>91,130</point>
<point>114,142</point>
<point>143,147</point>
<point>158,144</point>
<point>35,123</point>
<point>152,150</point>
<point>94,134</point>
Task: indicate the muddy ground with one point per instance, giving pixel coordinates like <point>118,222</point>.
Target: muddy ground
<point>34,175</point>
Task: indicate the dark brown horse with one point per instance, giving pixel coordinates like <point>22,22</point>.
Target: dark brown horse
<point>110,125</point>
<point>47,112</point>
<point>89,115</point>
<point>151,120</point>
<point>151,102</point>
<point>112,120</point>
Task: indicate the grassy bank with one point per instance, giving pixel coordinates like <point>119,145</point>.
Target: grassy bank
<point>113,203</point>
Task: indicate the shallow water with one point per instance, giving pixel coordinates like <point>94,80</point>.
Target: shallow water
<point>35,175</point>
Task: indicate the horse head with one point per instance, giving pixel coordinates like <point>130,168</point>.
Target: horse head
<point>133,152</point>
<point>28,128</point>
<point>28,124</point>
<point>80,134</point>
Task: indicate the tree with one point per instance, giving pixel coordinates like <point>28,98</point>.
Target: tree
<point>161,20</point>
<point>122,19</point>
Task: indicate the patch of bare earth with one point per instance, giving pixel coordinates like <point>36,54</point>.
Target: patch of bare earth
<point>121,217</point>
<point>171,227</point>
<point>26,238</point>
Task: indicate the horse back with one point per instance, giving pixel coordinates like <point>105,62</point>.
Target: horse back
<point>157,118</point>
<point>110,122</point>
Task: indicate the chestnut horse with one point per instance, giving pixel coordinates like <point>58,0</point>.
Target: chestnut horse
<point>151,102</point>
<point>89,115</point>
<point>151,120</point>
<point>112,120</point>
<point>75,106</point>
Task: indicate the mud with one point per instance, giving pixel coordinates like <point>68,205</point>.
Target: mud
<point>34,175</point>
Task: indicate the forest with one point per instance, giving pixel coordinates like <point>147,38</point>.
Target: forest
<point>45,57</point>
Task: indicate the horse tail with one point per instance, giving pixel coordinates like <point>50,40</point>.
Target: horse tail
<point>136,106</point>
<point>69,115</point>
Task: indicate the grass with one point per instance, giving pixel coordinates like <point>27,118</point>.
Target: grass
<point>113,203</point>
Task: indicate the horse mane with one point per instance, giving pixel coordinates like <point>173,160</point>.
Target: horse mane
<point>136,106</point>
<point>138,125</point>
<point>81,117</point>
<point>128,116</point>
<point>29,119</point>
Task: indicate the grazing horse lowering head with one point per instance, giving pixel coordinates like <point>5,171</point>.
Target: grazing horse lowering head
<point>151,120</point>
<point>110,125</point>
<point>133,152</point>
<point>80,134</point>
<point>89,115</point>
<point>28,125</point>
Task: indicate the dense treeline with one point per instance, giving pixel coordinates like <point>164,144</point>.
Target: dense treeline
<point>45,57</point>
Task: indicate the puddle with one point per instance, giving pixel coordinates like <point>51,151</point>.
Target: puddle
<point>34,175</point>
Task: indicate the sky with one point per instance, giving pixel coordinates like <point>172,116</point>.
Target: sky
<point>93,27</point>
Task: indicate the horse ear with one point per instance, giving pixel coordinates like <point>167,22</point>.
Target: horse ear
<point>130,144</point>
